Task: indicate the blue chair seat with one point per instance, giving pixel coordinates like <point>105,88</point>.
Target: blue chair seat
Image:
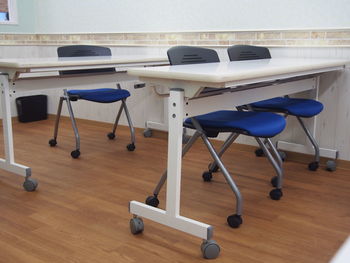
<point>298,107</point>
<point>257,124</point>
<point>100,95</point>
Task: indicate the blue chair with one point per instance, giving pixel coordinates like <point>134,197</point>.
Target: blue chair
<point>256,124</point>
<point>103,95</point>
<point>300,108</point>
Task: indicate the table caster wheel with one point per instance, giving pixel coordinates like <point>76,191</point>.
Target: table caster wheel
<point>210,249</point>
<point>75,154</point>
<point>131,147</point>
<point>136,225</point>
<point>259,152</point>
<point>274,181</point>
<point>30,184</point>
<point>111,135</point>
<point>331,165</point>
<point>234,220</point>
<point>276,194</point>
<point>152,201</point>
<point>215,169</point>
<point>283,155</point>
<point>52,142</point>
<point>207,176</point>
<point>313,166</point>
<point>147,133</point>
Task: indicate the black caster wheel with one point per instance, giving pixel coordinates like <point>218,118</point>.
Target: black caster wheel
<point>52,142</point>
<point>75,154</point>
<point>111,135</point>
<point>131,147</point>
<point>136,225</point>
<point>210,249</point>
<point>331,166</point>
<point>259,152</point>
<point>30,185</point>
<point>207,176</point>
<point>274,181</point>
<point>215,169</point>
<point>147,133</point>
<point>313,166</point>
<point>276,194</point>
<point>283,155</point>
<point>234,220</point>
<point>152,201</point>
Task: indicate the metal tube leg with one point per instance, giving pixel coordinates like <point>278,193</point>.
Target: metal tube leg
<point>117,119</point>
<point>184,151</point>
<point>312,140</point>
<point>224,147</point>
<point>274,151</point>
<point>58,116</point>
<point>74,124</point>
<point>276,166</point>
<point>226,174</point>
<point>132,130</point>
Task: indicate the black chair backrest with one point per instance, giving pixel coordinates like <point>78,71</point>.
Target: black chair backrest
<point>246,52</point>
<point>84,51</point>
<point>181,55</point>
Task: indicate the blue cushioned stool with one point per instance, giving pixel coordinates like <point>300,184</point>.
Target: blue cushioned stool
<point>94,95</point>
<point>300,108</point>
<point>256,124</point>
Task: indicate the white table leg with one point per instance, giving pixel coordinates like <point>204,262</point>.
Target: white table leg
<point>8,163</point>
<point>171,216</point>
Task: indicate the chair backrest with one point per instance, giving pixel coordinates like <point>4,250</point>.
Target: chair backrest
<point>181,55</point>
<point>84,51</point>
<point>246,52</point>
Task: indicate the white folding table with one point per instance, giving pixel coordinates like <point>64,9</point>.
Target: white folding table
<point>15,69</point>
<point>245,82</point>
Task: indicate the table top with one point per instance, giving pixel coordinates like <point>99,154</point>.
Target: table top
<point>47,62</point>
<point>239,70</point>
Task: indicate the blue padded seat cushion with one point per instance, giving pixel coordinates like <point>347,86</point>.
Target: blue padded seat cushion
<point>257,124</point>
<point>100,95</point>
<point>297,107</point>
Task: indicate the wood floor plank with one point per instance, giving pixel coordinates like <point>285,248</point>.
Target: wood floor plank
<point>79,212</point>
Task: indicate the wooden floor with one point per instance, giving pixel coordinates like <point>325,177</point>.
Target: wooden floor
<point>79,212</point>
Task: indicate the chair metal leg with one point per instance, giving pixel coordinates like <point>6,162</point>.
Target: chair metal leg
<point>117,119</point>
<point>312,140</point>
<point>58,116</point>
<point>233,136</point>
<point>229,180</point>
<point>74,124</point>
<point>131,126</point>
<point>277,165</point>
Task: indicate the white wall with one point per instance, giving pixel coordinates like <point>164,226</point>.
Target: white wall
<point>188,15</point>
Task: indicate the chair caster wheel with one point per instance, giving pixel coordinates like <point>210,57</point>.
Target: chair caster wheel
<point>283,155</point>
<point>75,154</point>
<point>147,133</point>
<point>274,181</point>
<point>52,142</point>
<point>136,225</point>
<point>210,249</point>
<point>234,220</point>
<point>131,147</point>
<point>111,135</point>
<point>152,201</point>
<point>276,194</point>
<point>215,169</point>
<point>207,176</point>
<point>313,166</point>
<point>259,152</point>
<point>30,185</point>
<point>331,165</point>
